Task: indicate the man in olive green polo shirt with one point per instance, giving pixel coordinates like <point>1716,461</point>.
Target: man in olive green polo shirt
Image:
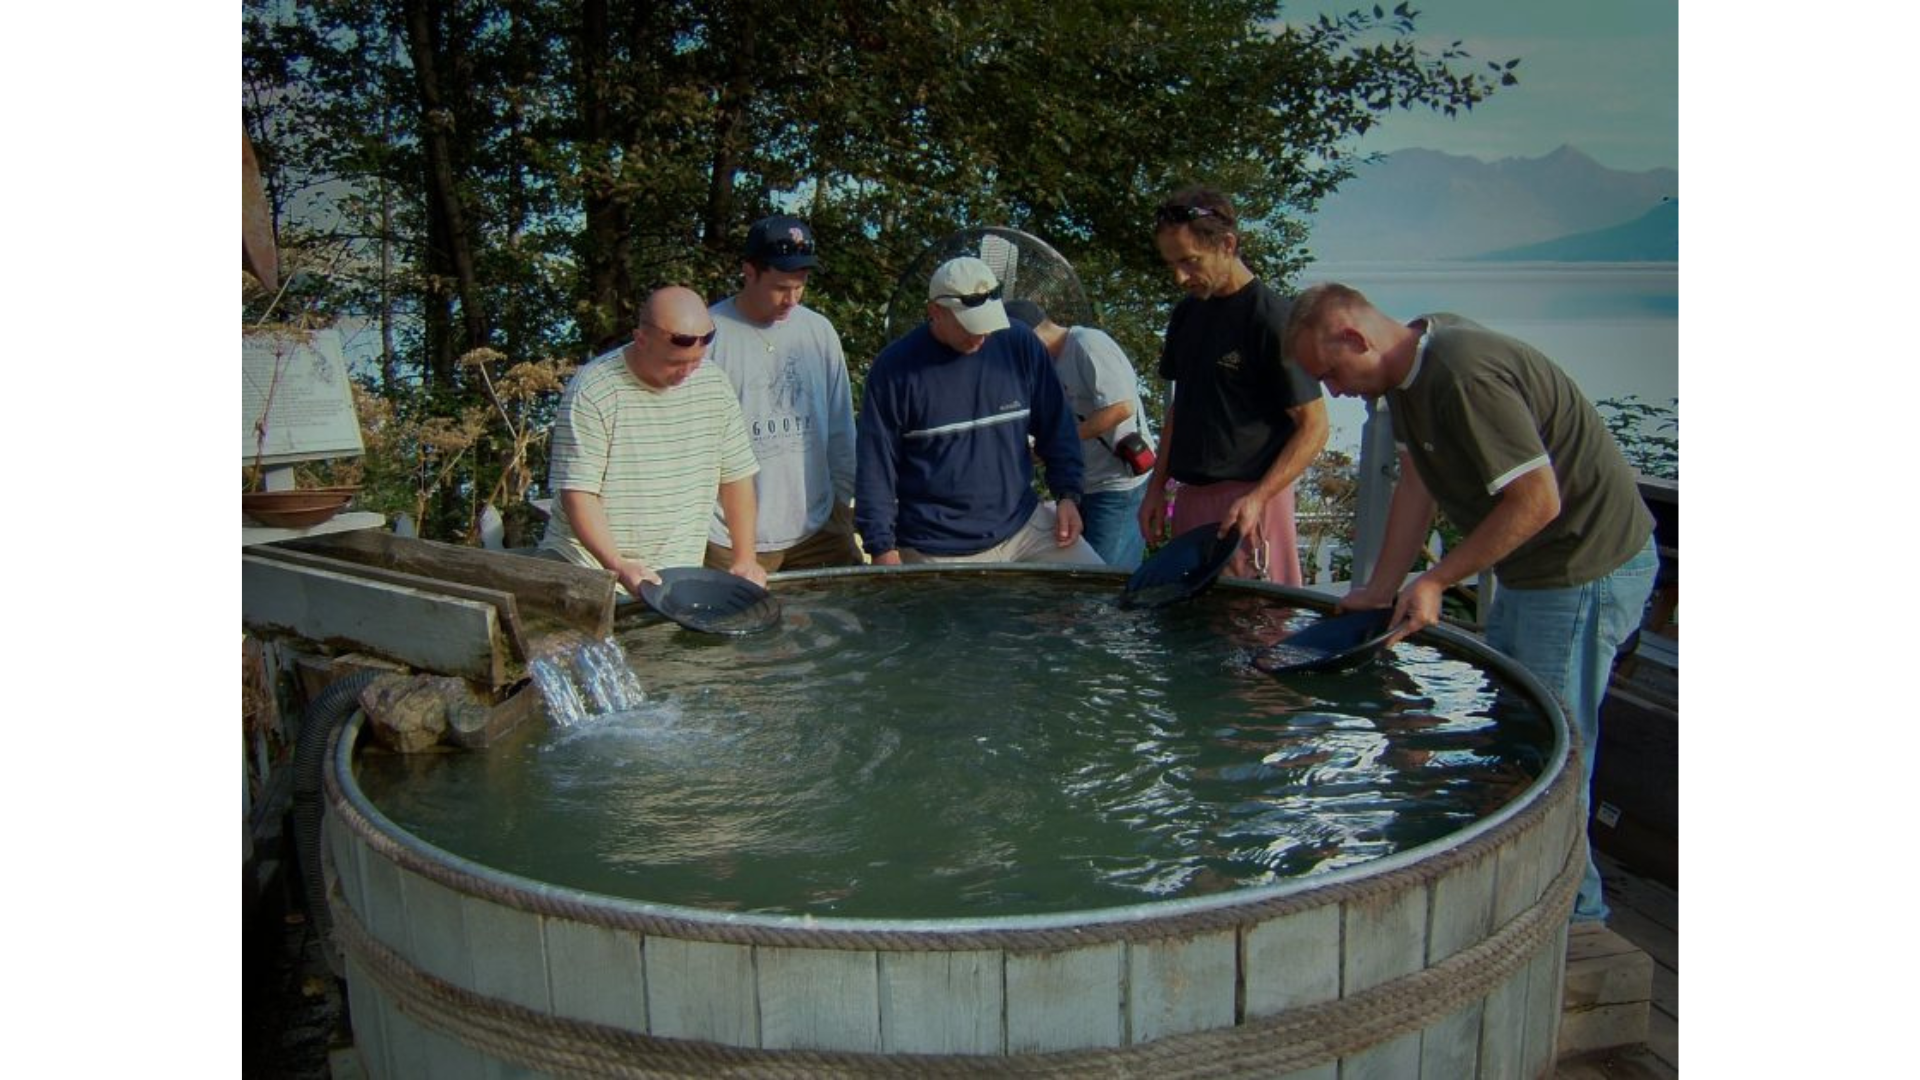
<point>1499,438</point>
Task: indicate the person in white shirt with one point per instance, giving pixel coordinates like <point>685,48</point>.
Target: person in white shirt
<point>786,364</point>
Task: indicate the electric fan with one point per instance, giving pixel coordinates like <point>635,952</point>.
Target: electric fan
<point>1027,266</point>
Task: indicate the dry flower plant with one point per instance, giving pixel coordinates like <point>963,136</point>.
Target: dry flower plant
<point>512,398</point>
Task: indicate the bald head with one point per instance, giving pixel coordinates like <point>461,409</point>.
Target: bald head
<point>676,308</point>
<point>672,338</point>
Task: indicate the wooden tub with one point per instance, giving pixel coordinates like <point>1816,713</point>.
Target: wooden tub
<point>1442,961</point>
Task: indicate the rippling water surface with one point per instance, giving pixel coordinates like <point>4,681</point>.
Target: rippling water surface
<point>958,745</point>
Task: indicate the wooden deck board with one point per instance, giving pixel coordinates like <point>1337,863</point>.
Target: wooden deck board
<point>1647,913</point>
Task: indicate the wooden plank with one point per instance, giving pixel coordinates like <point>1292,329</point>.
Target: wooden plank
<point>1622,1063</point>
<point>406,1043</point>
<point>1546,983</point>
<point>509,954</point>
<point>1592,941</point>
<point>1615,978</point>
<point>1516,880</point>
<point>1462,912</point>
<point>436,930</point>
<point>1395,1059</point>
<point>367,1009</point>
<point>1291,961</point>
<point>701,990</point>
<point>384,917</point>
<point>1451,1046</point>
<point>574,595</point>
<point>1503,1028</point>
<point>1666,990</point>
<point>1659,902</point>
<point>1663,1036</point>
<point>1065,1000</point>
<point>818,999</point>
<point>502,601</point>
<point>1178,986</point>
<point>1386,937</point>
<point>344,866</point>
<point>596,974</point>
<point>428,631</point>
<point>942,1003</point>
<point>1661,943</point>
<point>1602,1027</point>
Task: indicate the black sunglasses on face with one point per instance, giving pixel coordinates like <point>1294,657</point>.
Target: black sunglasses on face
<point>976,299</point>
<point>1181,215</point>
<point>687,341</point>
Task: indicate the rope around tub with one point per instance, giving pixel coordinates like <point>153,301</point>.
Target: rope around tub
<point>1294,1039</point>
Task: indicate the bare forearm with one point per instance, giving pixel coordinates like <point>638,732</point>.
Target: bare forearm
<point>1104,420</point>
<point>1525,507</point>
<point>1163,454</point>
<point>588,516</point>
<point>1409,516</point>
<point>738,505</point>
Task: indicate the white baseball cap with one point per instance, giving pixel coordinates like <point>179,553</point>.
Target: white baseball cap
<point>966,286</point>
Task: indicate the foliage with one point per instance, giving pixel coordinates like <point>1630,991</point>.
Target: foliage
<point>1648,434</point>
<point>515,175</point>
<point>1326,499</point>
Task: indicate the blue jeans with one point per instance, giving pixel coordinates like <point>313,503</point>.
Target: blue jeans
<point>1112,520</point>
<point>1567,637</point>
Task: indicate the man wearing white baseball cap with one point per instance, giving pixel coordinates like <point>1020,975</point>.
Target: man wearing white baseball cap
<point>945,472</point>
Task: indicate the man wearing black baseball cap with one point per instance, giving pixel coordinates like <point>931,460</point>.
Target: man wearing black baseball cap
<point>786,364</point>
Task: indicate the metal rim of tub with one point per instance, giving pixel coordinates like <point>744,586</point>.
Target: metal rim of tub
<point>1311,1034</point>
<point>1014,931</point>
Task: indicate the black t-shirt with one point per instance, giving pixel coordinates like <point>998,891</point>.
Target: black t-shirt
<point>1232,386</point>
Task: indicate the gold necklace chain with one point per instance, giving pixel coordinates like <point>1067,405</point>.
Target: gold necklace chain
<point>764,339</point>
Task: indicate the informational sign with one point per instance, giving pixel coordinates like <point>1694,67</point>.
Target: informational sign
<point>295,401</point>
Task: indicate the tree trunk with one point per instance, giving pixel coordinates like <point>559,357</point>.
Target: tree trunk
<point>449,240</point>
<point>606,248</point>
<point>728,133</point>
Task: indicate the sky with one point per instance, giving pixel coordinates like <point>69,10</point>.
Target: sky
<point>1600,75</point>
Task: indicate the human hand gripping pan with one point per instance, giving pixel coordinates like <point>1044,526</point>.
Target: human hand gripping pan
<point>1183,569</point>
<point>712,601</point>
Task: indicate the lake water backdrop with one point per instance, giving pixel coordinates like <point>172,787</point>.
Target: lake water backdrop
<point>1614,327</point>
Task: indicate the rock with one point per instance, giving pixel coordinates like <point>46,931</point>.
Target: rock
<point>473,723</point>
<point>406,714</point>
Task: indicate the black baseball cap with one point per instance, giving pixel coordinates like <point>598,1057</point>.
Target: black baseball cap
<point>782,242</point>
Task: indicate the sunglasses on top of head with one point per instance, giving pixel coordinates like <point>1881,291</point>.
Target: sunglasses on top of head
<point>976,299</point>
<point>687,341</point>
<point>1181,215</point>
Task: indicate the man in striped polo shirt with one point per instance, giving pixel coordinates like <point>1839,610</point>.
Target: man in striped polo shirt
<point>644,439</point>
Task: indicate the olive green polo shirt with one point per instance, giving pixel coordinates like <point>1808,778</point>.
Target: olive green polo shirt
<point>1480,409</point>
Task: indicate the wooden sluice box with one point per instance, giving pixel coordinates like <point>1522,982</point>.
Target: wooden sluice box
<point>434,607</point>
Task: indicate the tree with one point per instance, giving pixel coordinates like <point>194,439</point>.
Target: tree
<point>515,175</point>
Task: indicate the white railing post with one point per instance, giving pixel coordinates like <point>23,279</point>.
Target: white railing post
<point>1378,464</point>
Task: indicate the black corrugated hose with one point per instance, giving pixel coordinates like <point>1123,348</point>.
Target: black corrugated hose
<point>327,711</point>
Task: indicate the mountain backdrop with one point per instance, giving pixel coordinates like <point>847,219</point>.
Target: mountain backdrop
<point>1423,204</point>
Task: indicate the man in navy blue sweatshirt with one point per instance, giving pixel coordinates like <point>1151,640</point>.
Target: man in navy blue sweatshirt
<point>945,472</point>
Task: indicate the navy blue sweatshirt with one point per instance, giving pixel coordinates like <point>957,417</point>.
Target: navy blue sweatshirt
<point>943,461</point>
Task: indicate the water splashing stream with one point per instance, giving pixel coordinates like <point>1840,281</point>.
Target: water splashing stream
<point>581,678</point>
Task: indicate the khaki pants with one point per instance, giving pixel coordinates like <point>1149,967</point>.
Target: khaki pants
<point>1033,542</point>
<point>831,546</point>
